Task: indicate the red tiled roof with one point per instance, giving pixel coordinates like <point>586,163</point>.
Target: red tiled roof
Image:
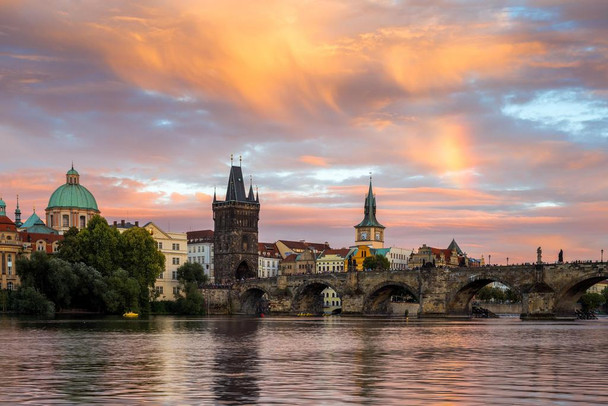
<point>343,252</point>
<point>302,245</point>
<point>199,236</point>
<point>7,224</point>
<point>268,249</point>
<point>290,258</point>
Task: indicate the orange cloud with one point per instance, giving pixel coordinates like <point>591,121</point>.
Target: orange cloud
<point>313,160</point>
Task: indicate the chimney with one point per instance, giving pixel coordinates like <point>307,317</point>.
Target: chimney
<point>137,224</point>
<point>122,223</point>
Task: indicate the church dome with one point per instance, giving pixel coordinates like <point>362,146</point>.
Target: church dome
<point>72,194</point>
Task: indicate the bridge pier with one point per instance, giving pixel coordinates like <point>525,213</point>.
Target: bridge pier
<point>538,306</point>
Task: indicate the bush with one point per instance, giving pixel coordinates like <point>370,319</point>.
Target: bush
<point>28,300</point>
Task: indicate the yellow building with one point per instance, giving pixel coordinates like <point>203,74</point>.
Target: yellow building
<point>11,248</point>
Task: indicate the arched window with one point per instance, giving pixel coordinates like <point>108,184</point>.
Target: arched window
<point>83,221</point>
<point>66,220</point>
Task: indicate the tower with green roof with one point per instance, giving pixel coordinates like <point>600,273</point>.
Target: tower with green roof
<point>71,205</point>
<point>369,231</point>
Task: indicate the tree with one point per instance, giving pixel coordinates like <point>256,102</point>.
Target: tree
<point>70,247</point>
<point>122,294</point>
<point>191,276</point>
<point>378,262</point>
<point>100,246</point>
<point>592,301</point>
<point>192,272</point>
<point>143,261</point>
<point>29,301</point>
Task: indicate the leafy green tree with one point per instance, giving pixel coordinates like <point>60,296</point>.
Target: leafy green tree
<point>70,247</point>
<point>122,294</point>
<point>100,246</point>
<point>512,296</point>
<point>192,272</point>
<point>28,300</point>
<point>143,261</point>
<point>490,293</point>
<point>592,301</point>
<point>378,262</point>
<point>34,271</point>
<point>191,276</point>
<point>90,288</point>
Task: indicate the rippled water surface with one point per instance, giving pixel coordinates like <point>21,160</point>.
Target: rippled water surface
<point>316,361</point>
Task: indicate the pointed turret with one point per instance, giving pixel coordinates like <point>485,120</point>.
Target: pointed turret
<point>250,196</point>
<point>214,195</point>
<point>369,220</point>
<point>454,247</point>
<point>18,222</point>
<point>2,207</point>
<point>257,195</point>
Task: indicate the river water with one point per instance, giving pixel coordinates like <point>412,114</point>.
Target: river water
<point>307,361</point>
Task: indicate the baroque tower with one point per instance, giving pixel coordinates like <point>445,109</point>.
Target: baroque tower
<point>235,236</point>
<point>369,231</point>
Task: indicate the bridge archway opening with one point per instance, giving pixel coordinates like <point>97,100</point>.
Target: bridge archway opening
<point>254,301</point>
<point>566,304</point>
<point>317,298</point>
<point>497,299</point>
<point>392,299</point>
<point>244,271</point>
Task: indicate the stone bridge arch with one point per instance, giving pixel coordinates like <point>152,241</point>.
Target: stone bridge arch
<point>307,297</point>
<point>567,297</point>
<point>254,300</point>
<point>377,301</point>
<point>459,300</point>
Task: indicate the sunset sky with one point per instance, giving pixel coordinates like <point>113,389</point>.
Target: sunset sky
<point>483,121</point>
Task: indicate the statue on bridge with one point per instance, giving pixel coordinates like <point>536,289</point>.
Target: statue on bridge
<point>560,257</point>
<point>539,255</point>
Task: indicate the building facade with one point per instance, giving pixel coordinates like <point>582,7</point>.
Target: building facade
<point>11,247</point>
<point>235,235</point>
<point>332,260</point>
<point>269,260</point>
<point>200,250</point>
<point>71,205</point>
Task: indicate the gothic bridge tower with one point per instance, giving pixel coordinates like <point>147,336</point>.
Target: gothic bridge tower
<point>235,237</point>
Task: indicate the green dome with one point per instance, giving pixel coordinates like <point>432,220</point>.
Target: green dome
<point>72,172</point>
<point>72,195</point>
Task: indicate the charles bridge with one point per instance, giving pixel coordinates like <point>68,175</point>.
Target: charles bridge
<point>547,291</point>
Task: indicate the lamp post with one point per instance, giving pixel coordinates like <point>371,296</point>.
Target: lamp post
<point>602,255</point>
<point>507,261</point>
<point>490,259</point>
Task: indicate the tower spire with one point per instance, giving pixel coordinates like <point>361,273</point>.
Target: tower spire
<point>18,222</point>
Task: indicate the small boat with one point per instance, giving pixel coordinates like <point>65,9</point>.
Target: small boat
<point>130,315</point>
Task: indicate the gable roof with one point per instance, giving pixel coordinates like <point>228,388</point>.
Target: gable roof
<point>302,245</point>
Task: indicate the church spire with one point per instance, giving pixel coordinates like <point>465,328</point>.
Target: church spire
<point>369,219</point>
<point>18,222</point>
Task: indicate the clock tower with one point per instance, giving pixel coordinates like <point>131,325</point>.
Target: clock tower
<point>369,231</point>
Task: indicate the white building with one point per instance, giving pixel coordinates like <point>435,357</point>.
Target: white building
<point>331,301</point>
<point>398,258</point>
<point>200,250</point>
<point>269,260</point>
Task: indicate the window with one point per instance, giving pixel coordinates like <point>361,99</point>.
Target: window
<point>161,275</point>
<point>83,221</point>
<point>175,247</point>
<point>9,286</point>
<point>176,290</point>
<point>40,246</point>
<point>174,275</point>
<point>51,221</point>
<point>160,245</point>
<point>175,261</point>
<point>159,290</point>
<point>66,220</point>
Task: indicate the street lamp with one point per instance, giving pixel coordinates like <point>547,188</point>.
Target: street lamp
<point>602,255</point>
<point>507,261</point>
<point>490,259</point>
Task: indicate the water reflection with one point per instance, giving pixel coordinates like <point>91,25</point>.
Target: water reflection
<point>167,360</point>
<point>236,365</point>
